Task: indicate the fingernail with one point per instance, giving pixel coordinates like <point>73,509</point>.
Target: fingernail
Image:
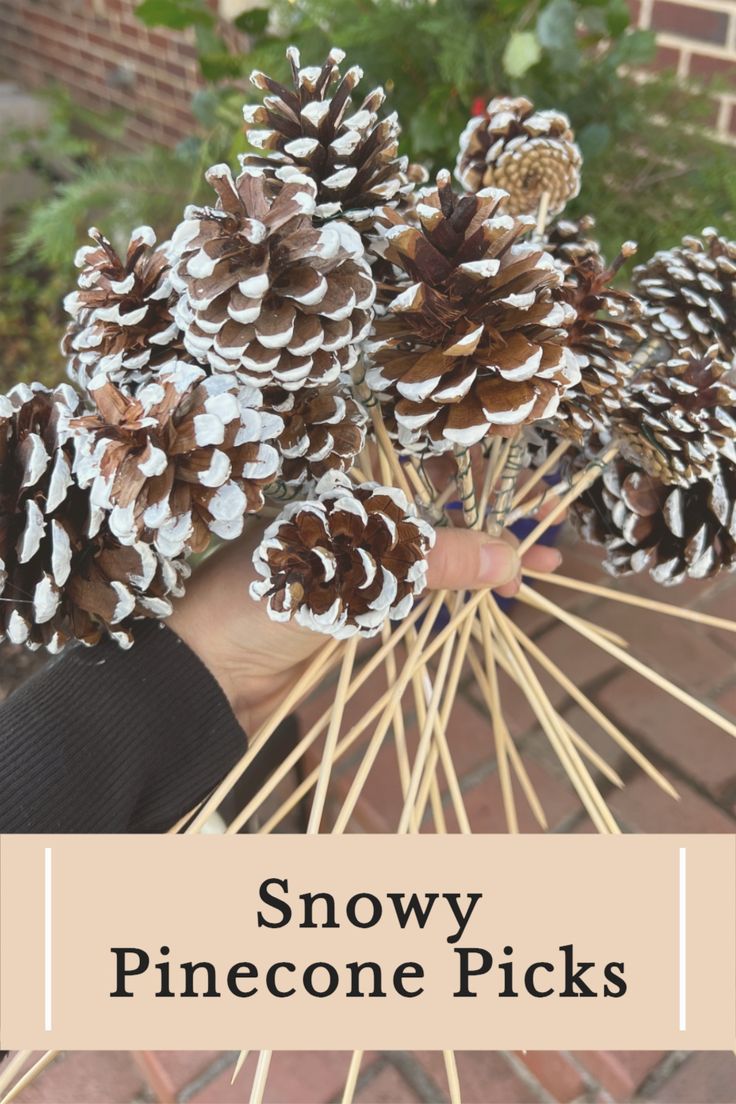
<point>499,563</point>
<point>555,558</point>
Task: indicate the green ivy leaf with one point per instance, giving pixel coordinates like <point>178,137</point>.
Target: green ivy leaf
<point>634,48</point>
<point>521,53</point>
<point>594,138</point>
<point>252,22</point>
<point>618,17</point>
<point>177,14</point>
<point>557,34</point>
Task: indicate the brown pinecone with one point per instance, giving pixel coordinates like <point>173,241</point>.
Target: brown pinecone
<point>63,575</point>
<point>569,241</point>
<point>524,151</point>
<point>122,322</point>
<point>674,533</point>
<point>189,456</point>
<point>345,560</point>
<point>689,294</point>
<point>678,418</point>
<point>603,337</point>
<point>324,430</point>
<point>264,293</point>
<point>472,342</point>
<point>313,126</point>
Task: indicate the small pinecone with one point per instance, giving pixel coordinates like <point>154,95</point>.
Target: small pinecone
<point>671,532</point>
<point>524,151</point>
<point>122,323</point>
<point>189,456</point>
<point>569,241</point>
<point>678,419</point>
<point>324,430</point>
<point>472,342</point>
<point>312,126</point>
<point>63,575</point>
<point>689,294</point>
<point>264,293</point>
<point>603,337</point>
<point>344,561</point>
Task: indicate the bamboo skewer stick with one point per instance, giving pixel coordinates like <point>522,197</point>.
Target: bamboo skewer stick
<point>13,1068</point>
<point>435,798</point>
<point>29,1077</point>
<point>542,213</point>
<point>507,486</point>
<point>352,1078</point>
<point>467,487</point>
<point>595,713</point>
<point>567,754</point>
<point>588,476</point>
<point>261,1076</point>
<point>539,473</point>
<point>308,679</point>
<point>501,734</point>
<point>453,1081</point>
<point>653,676</point>
<point>635,600</point>
<point>242,1059</point>
<point>338,710</point>
<point>402,753</point>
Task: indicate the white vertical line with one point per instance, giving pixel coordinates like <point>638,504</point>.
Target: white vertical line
<point>47,941</point>
<point>682,938</point>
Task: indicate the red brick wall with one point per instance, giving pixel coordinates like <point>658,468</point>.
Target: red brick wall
<point>698,39</point>
<point>107,57</point>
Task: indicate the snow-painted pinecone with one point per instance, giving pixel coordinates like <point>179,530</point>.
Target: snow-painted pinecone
<point>689,294</point>
<point>524,151</point>
<point>473,341</point>
<point>264,292</point>
<point>324,430</point>
<point>122,322</point>
<point>344,561</point>
<point>603,337</point>
<point>63,575</point>
<point>570,241</point>
<point>314,126</point>
<point>188,457</point>
<point>674,533</point>
<point>678,418</point>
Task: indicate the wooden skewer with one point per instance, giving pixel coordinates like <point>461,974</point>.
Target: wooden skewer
<point>516,761</point>
<point>242,1059</point>
<point>13,1068</point>
<point>591,473</point>
<point>352,1079</point>
<point>634,600</point>
<point>530,598</point>
<point>261,1076</point>
<point>542,213</point>
<point>29,1077</point>
<point>595,713</point>
<point>663,683</point>
<point>593,757</point>
<point>467,487</point>
<point>539,473</point>
<point>453,1081</point>
<point>338,710</point>
<point>501,733</point>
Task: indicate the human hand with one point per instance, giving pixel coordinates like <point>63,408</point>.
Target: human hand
<point>256,660</point>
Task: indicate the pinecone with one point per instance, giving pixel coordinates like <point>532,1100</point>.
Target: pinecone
<point>678,419</point>
<point>526,152</point>
<point>472,342</point>
<point>189,456</point>
<point>263,292</point>
<point>344,561</point>
<point>350,155</point>
<point>671,532</point>
<point>324,430</point>
<point>122,322</point>
<point>603,337</point>
<point>63,575</point>
<point>689,294</point>
<point>569,241</point>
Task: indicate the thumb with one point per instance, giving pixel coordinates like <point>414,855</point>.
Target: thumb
<point>465,560</point>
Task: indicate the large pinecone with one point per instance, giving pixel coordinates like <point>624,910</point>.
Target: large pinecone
<point>689,294</point>
<point>313,125</point>
<point>122,322</point>
<point>603,337</point>
<point>63,575</point>
<point>264,293</point>
<point>344,561</point>
<point>671,532</point>
<point>524,151</point>
<point>472,342</point>
<point>324,430</point>
<point>678,419</point>
<point>189,456</point>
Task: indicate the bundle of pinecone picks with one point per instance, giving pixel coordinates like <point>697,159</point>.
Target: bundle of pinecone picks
<point>333,315</point>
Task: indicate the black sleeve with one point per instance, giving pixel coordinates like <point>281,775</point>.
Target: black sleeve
<point>106,740</point>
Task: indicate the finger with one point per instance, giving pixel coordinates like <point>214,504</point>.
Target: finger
<point>465,560</point>
<point>541,558</point>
